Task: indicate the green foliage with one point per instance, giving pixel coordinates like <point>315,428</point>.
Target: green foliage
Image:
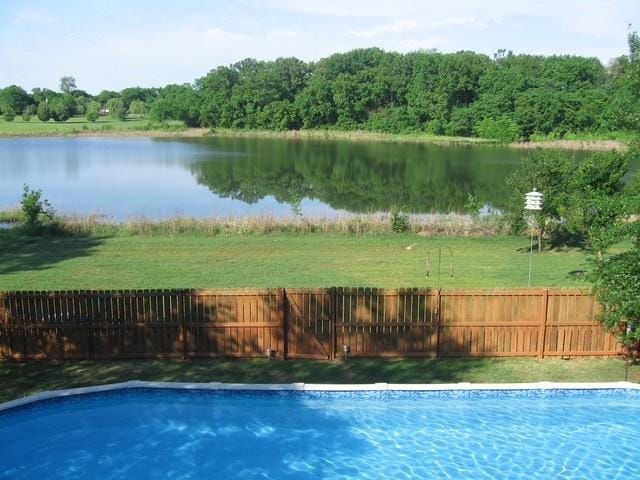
<point>503,129</point>
<point>176,102</point>
<point>13,98</point>
<point>137,108</point>
<point>117,109</point>
<point>8,115</point>
<point>62,108</point>
<point>596,198</point>
<point>67,84</point>
<point>587,199</point>
<point>617,285</point>
<point>507,98</point>
<point>34,207</point>
<point>399,220</point>
<point>547,172</point>
<point>93,111</point>
<point>44,115</point>
<point>26,115</point>
<point>472,205</point>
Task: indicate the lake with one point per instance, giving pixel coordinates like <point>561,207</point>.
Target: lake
<point>156,178</point>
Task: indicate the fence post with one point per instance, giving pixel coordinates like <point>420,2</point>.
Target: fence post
<point>543,322</point>
<point>332,323</point>
<point>284,322</point>
<point>437,319</point>
<point>180,302</point>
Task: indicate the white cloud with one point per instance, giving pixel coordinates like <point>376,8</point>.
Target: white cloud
<point>593,17</point>
<point>399,26</point>
<point>219,33</point>
<point>32,18</point>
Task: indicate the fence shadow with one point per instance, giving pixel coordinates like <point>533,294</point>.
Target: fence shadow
<point>302,323</point>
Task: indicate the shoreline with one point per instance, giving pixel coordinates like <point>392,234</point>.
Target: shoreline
<point>352,136</point>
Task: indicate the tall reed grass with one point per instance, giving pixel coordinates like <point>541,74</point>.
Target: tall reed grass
<point>367,224</point>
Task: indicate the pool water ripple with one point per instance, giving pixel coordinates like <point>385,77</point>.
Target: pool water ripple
<point>302,435</point>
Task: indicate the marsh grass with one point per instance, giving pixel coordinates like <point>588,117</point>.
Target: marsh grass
<point>366,224</point>
<point>11,215</point>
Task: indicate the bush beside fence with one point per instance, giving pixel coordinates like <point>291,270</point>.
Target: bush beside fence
<point>302,323</point>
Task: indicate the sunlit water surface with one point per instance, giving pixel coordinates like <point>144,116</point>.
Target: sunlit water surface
<point>378,435</point>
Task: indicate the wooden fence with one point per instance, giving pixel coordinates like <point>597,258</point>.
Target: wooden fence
<point>301,323</point>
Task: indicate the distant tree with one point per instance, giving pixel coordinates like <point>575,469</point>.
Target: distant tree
<point>81,104</point>
<point>44,115</point>
<point>138,108</point>
<point>116,109</point>
<point>67,84</point>
<point>62,108</point>
<point>13,98</point>
<point>105,95</point>
<point>503,129</point>
<point>8,115</point>
<point>27,113</point>
<point>93,111</point>
<point>177,102</point>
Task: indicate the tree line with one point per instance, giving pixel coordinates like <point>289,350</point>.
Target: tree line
<point>504,97</point>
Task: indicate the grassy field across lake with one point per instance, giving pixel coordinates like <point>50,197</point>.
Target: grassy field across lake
<point>80,126</point>
<point>20,379</point>
<point>125,261</point>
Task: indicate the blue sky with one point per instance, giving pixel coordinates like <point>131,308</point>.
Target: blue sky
<point>114,44</point>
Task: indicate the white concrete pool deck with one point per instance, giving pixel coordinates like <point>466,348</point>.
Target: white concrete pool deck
<point>318,387</point>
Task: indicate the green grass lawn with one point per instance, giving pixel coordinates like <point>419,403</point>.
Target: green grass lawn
<point>21,379</point>
<point>75,125</point>
<point>277,260</point>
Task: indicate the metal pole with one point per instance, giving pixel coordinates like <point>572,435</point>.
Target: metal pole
<point>530,256</point>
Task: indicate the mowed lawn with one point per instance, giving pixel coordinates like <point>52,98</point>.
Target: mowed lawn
<point>21,379</point>
<point>35,127</point>
<point>125,261</point>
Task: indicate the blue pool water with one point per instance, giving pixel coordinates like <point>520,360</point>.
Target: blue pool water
<point>289,435</point>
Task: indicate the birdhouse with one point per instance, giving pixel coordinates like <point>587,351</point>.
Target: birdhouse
<point>533,200</point>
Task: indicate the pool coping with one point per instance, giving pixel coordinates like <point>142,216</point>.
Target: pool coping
<point>318,387</point>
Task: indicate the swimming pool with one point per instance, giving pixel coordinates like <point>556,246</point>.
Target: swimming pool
<point>197,433</point>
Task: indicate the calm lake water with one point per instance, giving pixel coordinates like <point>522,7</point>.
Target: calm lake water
<point>124,177</point>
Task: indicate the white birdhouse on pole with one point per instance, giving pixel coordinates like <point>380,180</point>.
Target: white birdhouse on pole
<point>533,200</point>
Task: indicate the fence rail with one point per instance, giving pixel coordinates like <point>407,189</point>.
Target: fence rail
<point>302,323</point>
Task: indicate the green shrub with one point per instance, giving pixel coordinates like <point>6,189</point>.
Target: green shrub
<point>34,207</point>
<point>399,221</point>
<point>502,129</point>
<point>9,115</point>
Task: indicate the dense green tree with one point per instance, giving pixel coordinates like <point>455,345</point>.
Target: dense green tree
<point>105,95</point>
<point>461,93</point>
<point>176,102</point>
<point>44,115</point>
<point>93,111</point>
<point>617,285</point>
<point>14,99</point>
<point>138,108</point>
<point>596,200</point>
<point>503,129</point>
<point>27,113</point>
<point>132,94</point>
<point>548,172</point>
<point>9,115</point>
<point>116,109</point>
<point>62,108</point>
